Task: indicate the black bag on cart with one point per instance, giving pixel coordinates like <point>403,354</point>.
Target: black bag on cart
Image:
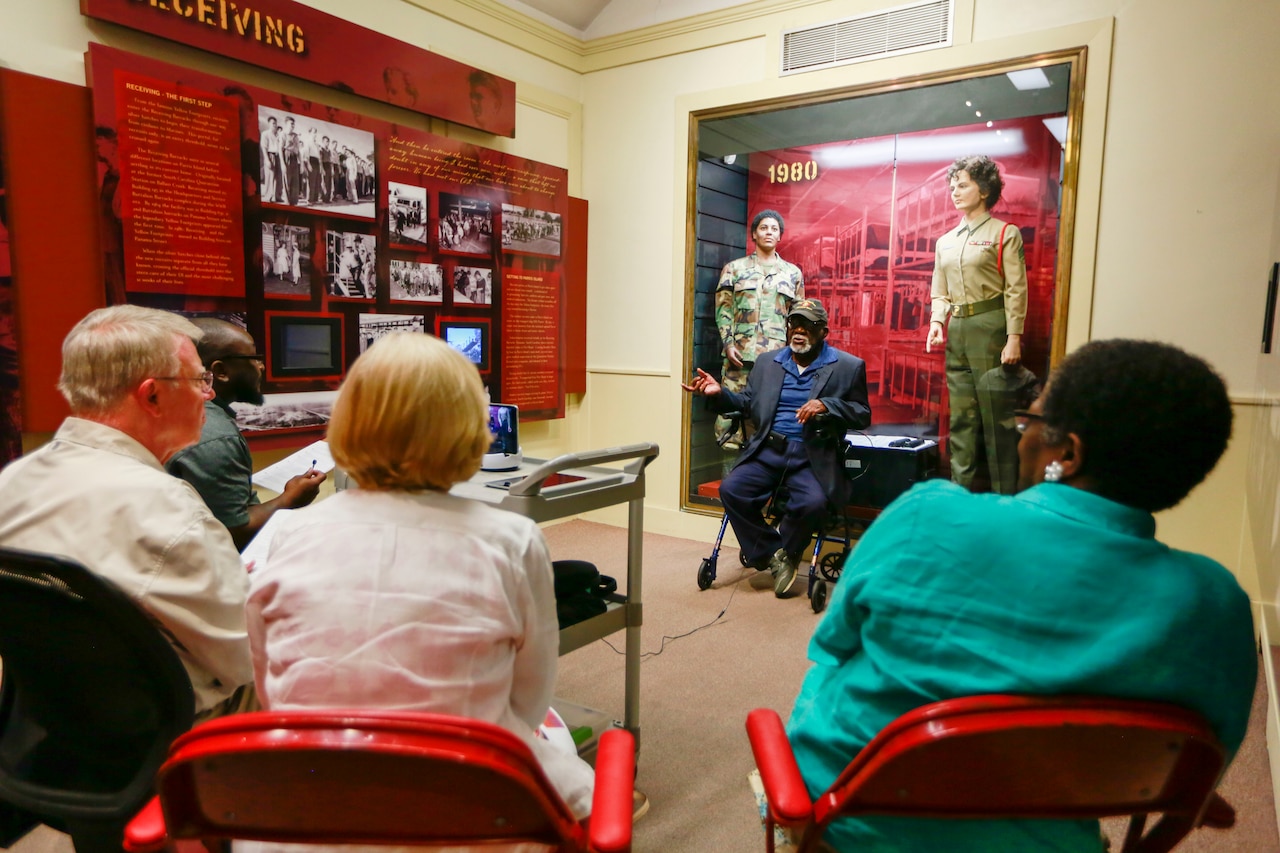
<point>581,591</point>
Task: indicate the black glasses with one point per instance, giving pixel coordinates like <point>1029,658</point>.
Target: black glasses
<point>1023,418</point>
<point>802,323</point>
<point>253,357</point>
<point>205,379</point>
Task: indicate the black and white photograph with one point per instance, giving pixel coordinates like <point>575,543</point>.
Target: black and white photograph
<point>472,286</point>
<point>316,165</point>
<point>374,326</point>
<point>407,214</point>
<point>286,411</point>
<point>530,231</point>
<point>351,261</point>
<point>286,261</point>
<point>416,282</point>
<point>466,225</point>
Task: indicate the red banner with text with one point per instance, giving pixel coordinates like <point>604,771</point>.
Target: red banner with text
<point>304,42</point>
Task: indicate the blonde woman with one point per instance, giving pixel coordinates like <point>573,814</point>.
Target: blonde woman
<point>398,594</point>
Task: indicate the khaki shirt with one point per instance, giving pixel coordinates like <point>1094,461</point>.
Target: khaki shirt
<point>964,271</point>
<point>95,495</point>
<point>752,301</point>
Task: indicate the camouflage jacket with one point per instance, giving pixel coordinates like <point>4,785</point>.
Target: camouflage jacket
<point>752,301</point>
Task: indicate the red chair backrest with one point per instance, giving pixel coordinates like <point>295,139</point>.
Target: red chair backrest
<point>1034,757</point>
<point>360,777</point>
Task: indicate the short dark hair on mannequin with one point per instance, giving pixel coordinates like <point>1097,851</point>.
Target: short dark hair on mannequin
<point>1153,419</point>
<point>768,214</point>
<point>984,172</point>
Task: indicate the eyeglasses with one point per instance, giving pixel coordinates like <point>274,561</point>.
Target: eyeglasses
<point>205,379</point>
<point>253,357</point>
<point>1023,418</point>
<point>802,323</point>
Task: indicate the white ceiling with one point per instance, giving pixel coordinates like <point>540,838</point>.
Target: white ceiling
<point>588,19</point>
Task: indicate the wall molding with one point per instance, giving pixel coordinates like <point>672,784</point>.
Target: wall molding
<point>684,35</point>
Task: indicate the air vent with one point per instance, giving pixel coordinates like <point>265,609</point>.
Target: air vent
<point>904,29</point>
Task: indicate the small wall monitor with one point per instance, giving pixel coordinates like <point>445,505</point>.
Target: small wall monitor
<point>469,337</point>
<point>304,346</point>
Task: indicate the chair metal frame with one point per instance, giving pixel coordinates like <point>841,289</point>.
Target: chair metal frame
<point>1006,757</point>
<point>362,776</point>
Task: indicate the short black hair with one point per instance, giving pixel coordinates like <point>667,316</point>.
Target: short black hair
<point>1153,419</point>
<point>768,214</point>
<point>984,172</point>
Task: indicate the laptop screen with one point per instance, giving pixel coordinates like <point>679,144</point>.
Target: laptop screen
<point>504,423</point>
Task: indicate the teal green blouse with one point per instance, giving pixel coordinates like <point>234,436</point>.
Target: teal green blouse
<point>1054,590</point>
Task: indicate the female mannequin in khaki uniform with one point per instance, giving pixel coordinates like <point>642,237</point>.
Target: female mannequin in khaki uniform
<point>980,283</point>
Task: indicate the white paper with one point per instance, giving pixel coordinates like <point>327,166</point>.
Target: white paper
<point>254,555</point>
<point>315,455</point>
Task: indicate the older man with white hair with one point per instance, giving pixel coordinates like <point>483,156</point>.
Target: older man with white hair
<point>98,492</point>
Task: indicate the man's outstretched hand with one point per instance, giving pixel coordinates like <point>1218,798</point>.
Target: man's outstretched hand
<point>703,384</point>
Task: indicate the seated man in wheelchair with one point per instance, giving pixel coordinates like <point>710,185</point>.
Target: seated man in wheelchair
<point>787,390</point>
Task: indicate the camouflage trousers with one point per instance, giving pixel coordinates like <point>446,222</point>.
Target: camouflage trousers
<point>734,379</point>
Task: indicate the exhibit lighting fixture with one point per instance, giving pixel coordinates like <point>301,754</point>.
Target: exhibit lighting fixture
<point>1058,127</point>
<point>916,149</point>
<point>1028,78</point>
<point>729,159</point>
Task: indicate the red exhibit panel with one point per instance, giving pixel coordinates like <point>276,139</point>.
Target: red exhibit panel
<point>46,132</point>
<point>531,342</point>
<point>361,225</point>
<point>178,153</point>
<point>575,298</point>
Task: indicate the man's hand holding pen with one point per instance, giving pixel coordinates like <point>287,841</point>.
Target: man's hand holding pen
<point>302,489</point>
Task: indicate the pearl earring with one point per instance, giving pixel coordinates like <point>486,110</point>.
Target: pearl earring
<point>1053,472</point>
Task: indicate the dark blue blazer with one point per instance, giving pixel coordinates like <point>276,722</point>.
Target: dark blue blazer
<point>840,385</point>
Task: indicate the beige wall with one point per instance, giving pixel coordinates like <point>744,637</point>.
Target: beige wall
<point>1178,193</point>
<point>1177,208</point>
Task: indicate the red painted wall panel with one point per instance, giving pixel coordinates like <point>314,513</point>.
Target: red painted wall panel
<point>50,177</point>
<point>574,353</point>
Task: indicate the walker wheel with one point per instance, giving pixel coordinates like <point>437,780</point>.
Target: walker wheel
<point>818,597</point>
<point>706,573</point>
<point>831,565</point>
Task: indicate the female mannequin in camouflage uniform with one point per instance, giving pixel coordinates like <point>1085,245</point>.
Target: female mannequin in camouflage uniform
<point>752,300</point>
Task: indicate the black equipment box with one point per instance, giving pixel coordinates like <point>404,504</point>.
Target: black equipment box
<point>881,467</point>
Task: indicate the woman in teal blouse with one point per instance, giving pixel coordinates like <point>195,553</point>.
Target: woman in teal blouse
<point>1061,588</point>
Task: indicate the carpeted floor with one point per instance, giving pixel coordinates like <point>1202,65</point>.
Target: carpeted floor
<point>696,692</point>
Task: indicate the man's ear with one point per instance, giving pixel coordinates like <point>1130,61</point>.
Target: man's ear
<point>147,395</point>
<point>218,368</point>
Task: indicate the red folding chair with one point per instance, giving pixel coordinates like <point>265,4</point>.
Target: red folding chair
<point>376,777</point>
<point>1007,757</point>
